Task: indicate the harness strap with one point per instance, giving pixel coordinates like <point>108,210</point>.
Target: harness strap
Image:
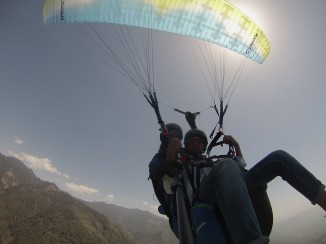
<point>214,142</point>
<point>152,100</point>
<point>190,177</point>
<point>197,178</point>
<point>193,171</point>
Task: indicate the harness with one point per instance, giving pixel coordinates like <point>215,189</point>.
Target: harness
<point>194,170</point>
<point>199,211</point>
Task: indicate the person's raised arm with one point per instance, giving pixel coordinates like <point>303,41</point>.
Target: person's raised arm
<point>172,149</point>
<point>228,139</point>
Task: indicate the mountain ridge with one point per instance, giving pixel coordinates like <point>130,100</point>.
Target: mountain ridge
<point>32,209</point>
<point>36,211</point>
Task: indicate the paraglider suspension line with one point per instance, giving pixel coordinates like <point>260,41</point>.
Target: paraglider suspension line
<point>218,135</point>
<point>152,100</point>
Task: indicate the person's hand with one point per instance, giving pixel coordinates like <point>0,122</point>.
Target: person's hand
<point>191,117</point>
<point>171,167</point>
<point>172,149</point>
<point>228,139</point>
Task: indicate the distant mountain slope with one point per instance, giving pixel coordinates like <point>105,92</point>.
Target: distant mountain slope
<point>13,172</point>
<point>34,211</point>
<point>142,225</point>
<point>307,227</point>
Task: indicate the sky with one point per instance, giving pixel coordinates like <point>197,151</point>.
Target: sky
<point>82,125</point>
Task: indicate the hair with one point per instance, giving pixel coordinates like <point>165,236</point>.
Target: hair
<point>175,127</point>
<point>165,139</point>
<point>196,133</point>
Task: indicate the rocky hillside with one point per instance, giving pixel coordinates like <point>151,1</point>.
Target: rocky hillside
<point>13,172</point>
<point>152,230</point>
<point>34,211</point>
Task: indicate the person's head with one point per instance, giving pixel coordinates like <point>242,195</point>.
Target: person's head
<point>195,141</point>
<point>174,130</point>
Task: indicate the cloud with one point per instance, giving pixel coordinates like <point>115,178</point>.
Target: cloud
<point>155,207</point>
<point>38,163</point>
<point>80,188</point>
<point>151,206</point>
<point>109,198</point>
<point>18,140</point>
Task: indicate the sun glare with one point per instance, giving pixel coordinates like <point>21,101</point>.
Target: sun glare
<point>250,10</point>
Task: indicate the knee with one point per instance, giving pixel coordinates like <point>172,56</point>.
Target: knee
<point>280,157</point>
<point>280,153</point>
<point>226,166</point>
<point>283,162</point>
<point>225,171</point>
<point>227,163</point>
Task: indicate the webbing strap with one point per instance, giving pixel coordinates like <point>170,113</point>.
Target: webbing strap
<point>152,100</point>
<point>190,177</point>
<point>214,142</point>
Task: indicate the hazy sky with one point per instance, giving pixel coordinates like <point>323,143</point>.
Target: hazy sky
<point>82,125</point>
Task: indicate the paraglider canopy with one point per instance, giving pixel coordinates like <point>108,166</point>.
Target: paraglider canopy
<point>215,21</point>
